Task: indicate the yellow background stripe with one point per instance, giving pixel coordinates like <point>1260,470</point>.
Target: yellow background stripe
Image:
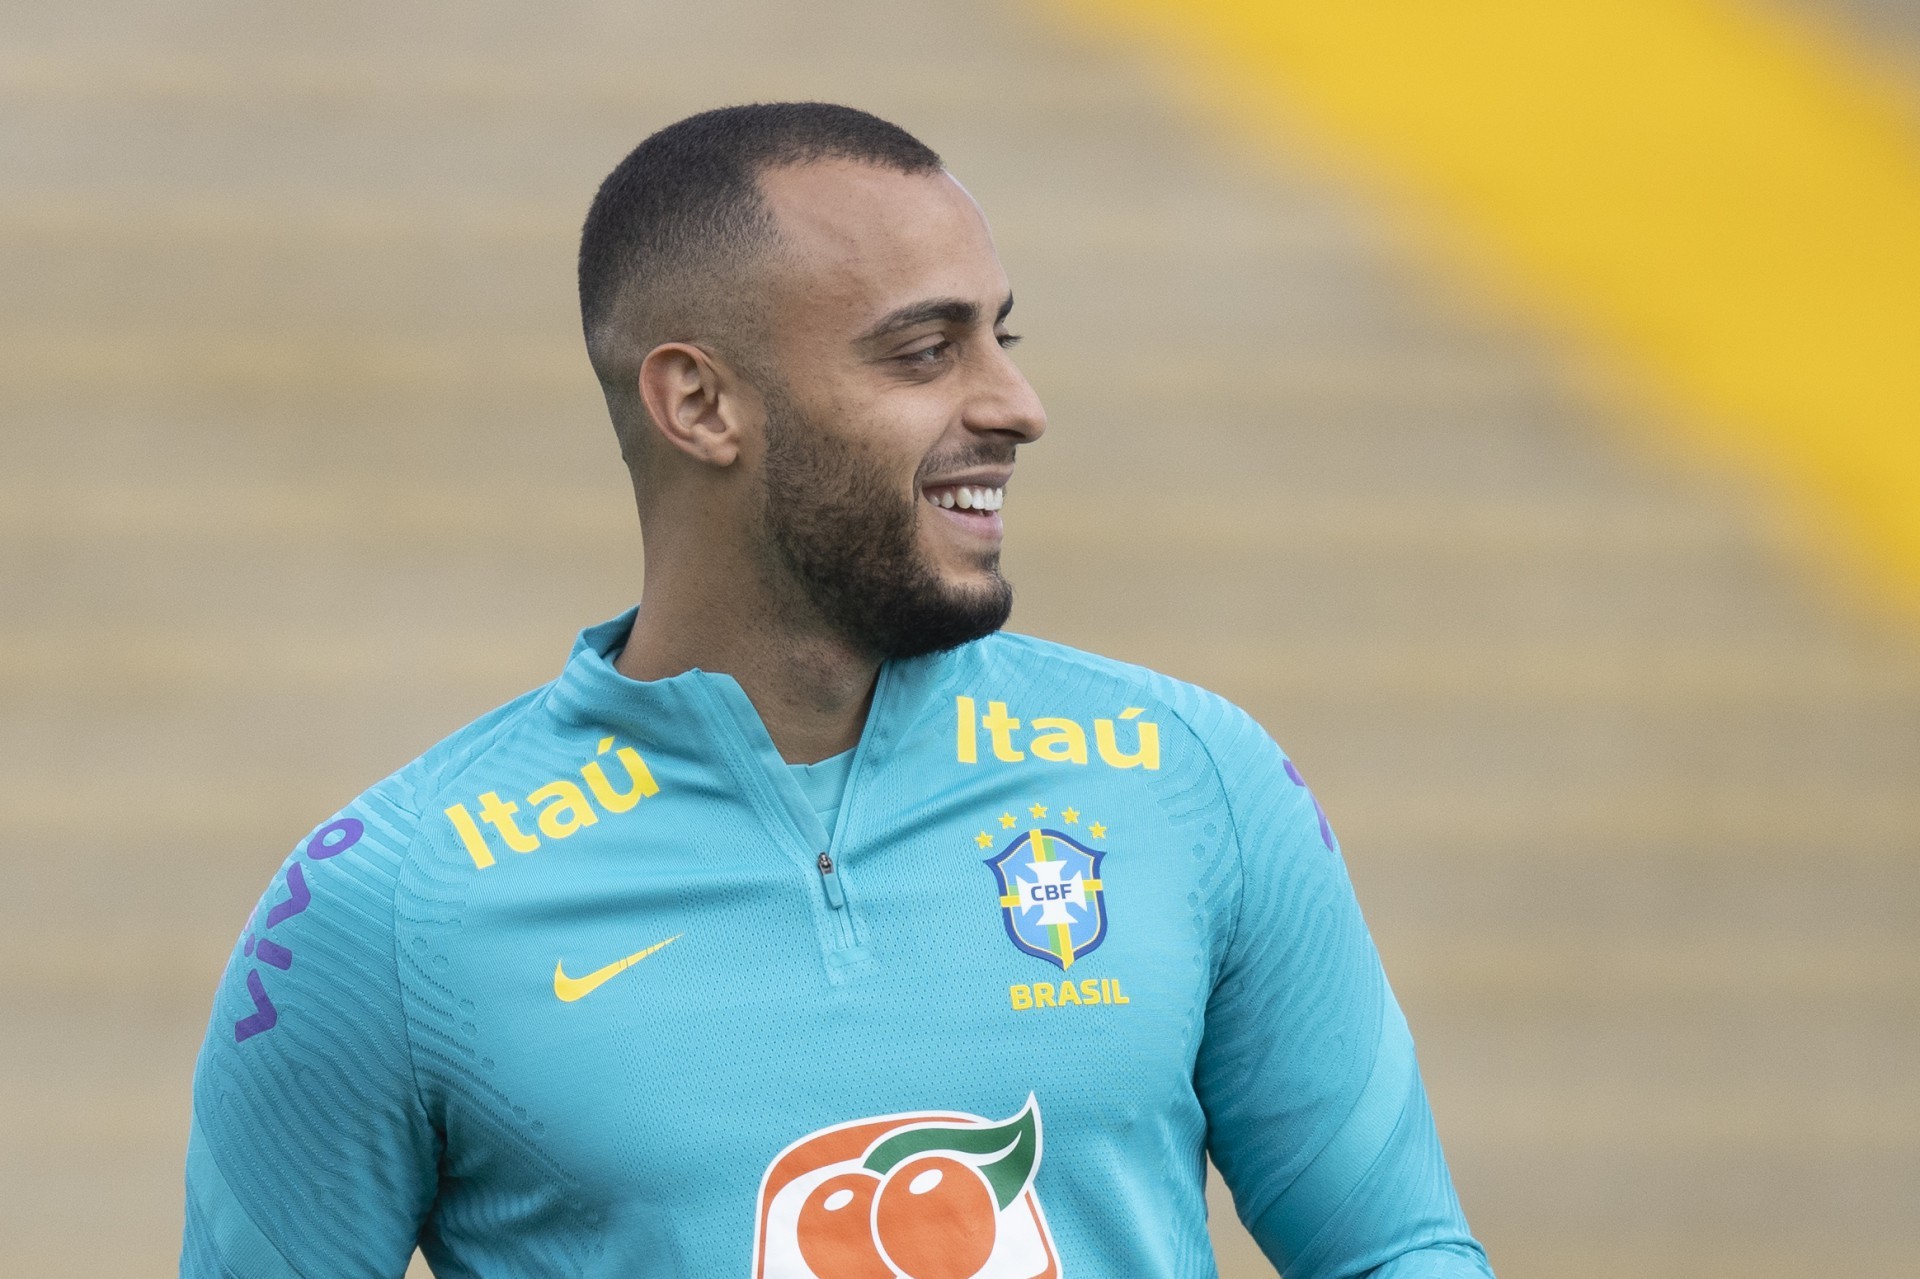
<point>1062,935</point>
<point>1707,189</point>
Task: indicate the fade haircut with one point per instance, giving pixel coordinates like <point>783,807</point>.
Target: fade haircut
<point>672,238</point>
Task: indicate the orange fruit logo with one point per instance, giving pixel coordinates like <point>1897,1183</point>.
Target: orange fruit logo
<point>917,1196</point>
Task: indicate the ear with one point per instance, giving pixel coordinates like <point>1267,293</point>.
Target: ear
<point>695,402</point>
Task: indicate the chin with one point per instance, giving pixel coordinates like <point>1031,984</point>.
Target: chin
<point>972,582</point>
<point>962,567</point>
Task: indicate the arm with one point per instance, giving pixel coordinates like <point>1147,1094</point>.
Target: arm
<point>310,1153</point>
<point>1316,1114</point>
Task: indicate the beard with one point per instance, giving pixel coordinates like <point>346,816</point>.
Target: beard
<point>846,538</point>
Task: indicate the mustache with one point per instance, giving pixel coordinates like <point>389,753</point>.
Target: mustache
<point>984,453</point>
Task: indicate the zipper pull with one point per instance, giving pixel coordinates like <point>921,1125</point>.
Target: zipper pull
<point>831,878</point>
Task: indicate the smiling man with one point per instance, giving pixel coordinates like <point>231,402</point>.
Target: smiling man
<point>807,927</point>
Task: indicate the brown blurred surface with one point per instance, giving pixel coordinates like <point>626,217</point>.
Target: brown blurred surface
<point>1893,25</point>
<point>303,467</point>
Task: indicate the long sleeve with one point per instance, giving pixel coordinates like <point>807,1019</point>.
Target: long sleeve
<point>1316,1114</point>
<point>310,1154</point>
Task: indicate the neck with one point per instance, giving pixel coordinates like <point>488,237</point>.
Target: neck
<point>810,688</point>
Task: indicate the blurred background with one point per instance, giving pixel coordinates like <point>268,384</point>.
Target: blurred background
<point>1513,406</point>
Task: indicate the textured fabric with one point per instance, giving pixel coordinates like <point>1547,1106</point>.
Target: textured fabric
<point>589,989</point>
<point>242,1248</point>
<point>823,784</point>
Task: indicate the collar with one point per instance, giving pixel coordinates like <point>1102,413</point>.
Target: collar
<point>658,713</point>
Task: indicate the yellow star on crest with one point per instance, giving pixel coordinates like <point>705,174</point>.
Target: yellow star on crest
<point>1097,831</point>
<point>983,839</point>
<point>1006,819</point>
<point>1070,815</point>
<point>1038,811</point>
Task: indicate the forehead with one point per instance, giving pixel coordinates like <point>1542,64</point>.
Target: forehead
<point>859,241</point>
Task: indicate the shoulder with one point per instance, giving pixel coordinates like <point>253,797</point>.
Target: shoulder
<point>503,732</point>
<point>362,850</point>
<point>1075,682</point>
<point>1019,690</point>
<point>326,922</point>
<point>415,791</point>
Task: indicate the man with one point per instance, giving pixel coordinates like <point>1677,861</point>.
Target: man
<point>806,926</point>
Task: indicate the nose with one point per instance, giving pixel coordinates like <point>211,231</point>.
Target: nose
<point>1004,403</point>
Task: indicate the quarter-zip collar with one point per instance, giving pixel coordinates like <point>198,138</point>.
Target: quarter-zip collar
<point>705,719</point>
<point>657,714</point>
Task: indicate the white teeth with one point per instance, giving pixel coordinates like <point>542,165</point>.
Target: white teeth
<point>968,498</point>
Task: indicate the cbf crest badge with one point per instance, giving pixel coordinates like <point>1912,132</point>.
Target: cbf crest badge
<point>1052,899</point>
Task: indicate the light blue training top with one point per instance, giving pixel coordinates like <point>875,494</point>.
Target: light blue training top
<point>823,784</point>
<point>595,988</point>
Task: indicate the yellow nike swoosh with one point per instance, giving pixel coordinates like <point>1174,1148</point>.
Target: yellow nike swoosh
<point>571,988</point>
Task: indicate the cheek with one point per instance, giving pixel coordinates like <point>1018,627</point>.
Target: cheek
<point>877,443</point>
<point>897,461</point>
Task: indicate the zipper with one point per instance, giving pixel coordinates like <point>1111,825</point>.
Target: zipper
<point>839,912</point>
<point>830,880</point>
<point>790,810</point>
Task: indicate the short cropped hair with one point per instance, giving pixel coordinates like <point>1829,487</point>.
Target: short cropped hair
<point>674,226</point>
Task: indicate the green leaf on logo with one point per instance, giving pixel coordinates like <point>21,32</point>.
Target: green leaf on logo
<point>1014,1145</point>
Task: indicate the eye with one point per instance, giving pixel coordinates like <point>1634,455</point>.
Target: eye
<point>1007,341</point>
<point>926,356</point>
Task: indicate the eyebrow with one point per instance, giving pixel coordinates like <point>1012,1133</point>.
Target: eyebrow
<point>955,311</point>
